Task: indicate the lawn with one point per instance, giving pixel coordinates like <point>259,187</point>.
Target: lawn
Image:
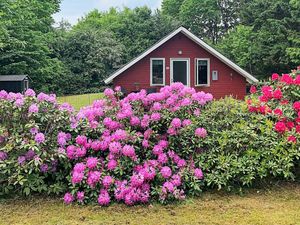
<point>78,101</point>
<point>278,205</point>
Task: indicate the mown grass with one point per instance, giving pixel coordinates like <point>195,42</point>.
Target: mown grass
<point>78,101</point>
<point>277,205</point>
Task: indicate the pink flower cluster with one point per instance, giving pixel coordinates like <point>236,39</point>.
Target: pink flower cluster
<point>276,99</point>
<point>126,154</point>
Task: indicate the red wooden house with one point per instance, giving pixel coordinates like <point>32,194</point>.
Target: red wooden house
<point>183,57</point>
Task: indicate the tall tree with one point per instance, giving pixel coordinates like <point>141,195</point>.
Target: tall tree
<point>271,31</point>
<point>172,7</point>
<point>25,50</point>
<point>210,19</point>
<point>239,45</point>
<point>137,29</point>
<point>90,55</point>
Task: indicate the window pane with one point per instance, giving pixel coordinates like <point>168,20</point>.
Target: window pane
<point>157,71</point>
<point>180,72</point>
<point>202,72</point>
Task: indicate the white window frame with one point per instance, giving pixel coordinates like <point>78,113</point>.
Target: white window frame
<point>164,71</point>
<point>188,71</point>
<point>208,72</point>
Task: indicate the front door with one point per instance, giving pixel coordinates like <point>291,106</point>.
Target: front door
<point>180,71</point>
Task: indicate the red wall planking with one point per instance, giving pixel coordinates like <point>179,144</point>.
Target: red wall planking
<point>229,81</point>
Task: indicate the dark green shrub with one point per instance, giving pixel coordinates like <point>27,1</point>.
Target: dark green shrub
<point>242,147</point>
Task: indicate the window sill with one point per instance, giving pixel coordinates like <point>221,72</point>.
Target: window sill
<point>202,85</point>
<point>155,85</point>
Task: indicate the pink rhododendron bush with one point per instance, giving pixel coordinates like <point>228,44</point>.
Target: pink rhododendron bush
<point>32,143</point>
<point>279,100</point>
<point>137,149</point>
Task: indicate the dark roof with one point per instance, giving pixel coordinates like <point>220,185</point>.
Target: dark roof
<point>13,77</point>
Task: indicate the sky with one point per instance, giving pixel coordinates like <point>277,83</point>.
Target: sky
<point>72,10</point>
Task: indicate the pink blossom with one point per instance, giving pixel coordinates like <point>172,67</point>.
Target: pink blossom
<point>198,173</point>
<point>145,121</point>
<point>148,173</point>
<point>80,152</point>
<point>181,163</point>
<point>93,178</point>
<point>3,156</point>
<point>115,147</point>
<point>166,172</point>
<point>128,151</point>
<point>112,164</point>
<point>120,135</point>
<point>117,88</point>
<point>3,94</point>
<point>107,181</point>
<point>77,177</point>
<point>137,180</point>
<point>79,167</point>
<point>163,143</point>
<point>30,93</point>
<point>162,158</point>
<point>92,162</point>
<point>71,151</point>
<point>39,138</point>
<point>145,143</point>
<point>80,196</point>
<point>81,140</point>
<point>109,92</point>
<point>19,102</point>
<point>155,116</point>
<point>168,186</point>
<point>176,180</point>
<point>33,108</point>
<point>156,106</point>
<point>275,76</point>
<point>197,112</point>
<point>68,198</point>
<point>176,123</point>
<point>201,132</point>
<point>96,145</point>
<point>172,131</point>
<point>186,122</point>
<point>103,198</point>
<point>157,149</point>
<point>134,121</point>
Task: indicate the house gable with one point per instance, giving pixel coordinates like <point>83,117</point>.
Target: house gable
<point>137,77</point>
<point>195,39</point>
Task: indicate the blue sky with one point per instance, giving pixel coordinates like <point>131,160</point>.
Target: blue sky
<point>72,10</point>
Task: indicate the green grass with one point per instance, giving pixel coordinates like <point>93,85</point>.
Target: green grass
<point>78,101</point>
<point>269,206</point>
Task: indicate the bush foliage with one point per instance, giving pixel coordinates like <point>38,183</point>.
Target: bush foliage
<point>31,139</point>
<point>156,147</point>
<point>242,148</point>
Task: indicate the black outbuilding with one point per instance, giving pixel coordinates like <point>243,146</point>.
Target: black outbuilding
<point>14,83</point>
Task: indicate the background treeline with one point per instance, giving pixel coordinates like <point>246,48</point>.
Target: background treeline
<point>261,36</point>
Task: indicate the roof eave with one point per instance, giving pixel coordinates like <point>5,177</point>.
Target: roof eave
<point>201,43</point>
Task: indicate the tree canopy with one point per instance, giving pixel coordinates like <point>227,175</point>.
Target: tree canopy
<point>261,36</point>
<point>270,30</point>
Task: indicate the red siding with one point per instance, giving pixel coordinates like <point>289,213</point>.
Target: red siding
<point>229,81</point>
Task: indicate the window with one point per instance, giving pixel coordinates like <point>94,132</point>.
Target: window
<point>157,73</point>
<point>202,72</point>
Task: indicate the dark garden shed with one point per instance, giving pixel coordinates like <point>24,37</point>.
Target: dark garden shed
<point>14,83</point>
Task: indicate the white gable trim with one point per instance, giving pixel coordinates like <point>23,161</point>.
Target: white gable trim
<point>194,38</point>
